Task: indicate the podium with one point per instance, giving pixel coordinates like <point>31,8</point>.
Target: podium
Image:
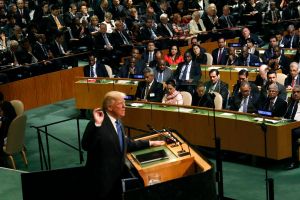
<point>181,172</point>
<point>186,175</point>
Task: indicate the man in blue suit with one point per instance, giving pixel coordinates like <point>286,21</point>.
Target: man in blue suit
<point>220,54</point>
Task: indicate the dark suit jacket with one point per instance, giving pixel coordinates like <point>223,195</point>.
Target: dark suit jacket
<point>118,41</point>
<point>256,39</point>
<point>204,101</point>
<point>279,108</point>
<point>224,57</point>
<point>221,88</point>
<point>51,25</point>
<point>281,91</point>
<point>287,41</point>
<point>146,33</point>
<point>100,42</point>
<point>139,67</point>
<point>254,89</point>
<point>284,64</point>
<point>223,22</point>
<point>39,53</point>
<point>195,72</point>
<point>155,93</point>
<point>100,70</point>
<point>254,61</point>
<point>268,16</point>
<point>288,80</point>
<point>252,103</point>
<point>145,56</point>
<point>105,159</point>
<point>161,30</point>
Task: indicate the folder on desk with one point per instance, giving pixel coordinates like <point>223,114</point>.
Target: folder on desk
<point>151,156</point>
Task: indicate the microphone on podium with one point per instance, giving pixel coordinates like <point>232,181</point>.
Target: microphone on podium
<point>168,139</point>
<point>182,152</point>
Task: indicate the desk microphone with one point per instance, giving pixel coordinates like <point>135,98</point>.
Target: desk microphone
<point>169,139</point>
<point>182,152</point>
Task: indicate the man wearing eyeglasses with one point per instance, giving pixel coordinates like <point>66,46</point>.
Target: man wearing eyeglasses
<point>293,113</point>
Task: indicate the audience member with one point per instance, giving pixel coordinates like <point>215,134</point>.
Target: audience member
<point>201,98</point>
<point>173,96</point>
<point>274,103</point>
<point>293,77</point>
<point>216,85</point>
<point>150,89</point>
<point>245,101</point>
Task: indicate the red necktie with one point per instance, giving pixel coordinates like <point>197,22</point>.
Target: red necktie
<point>293,82</point>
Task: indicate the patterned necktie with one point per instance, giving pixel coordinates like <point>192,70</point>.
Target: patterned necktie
<point>245,104</point>
<point>120,133</point>
<point>219,56</point>
<point>146,91</point>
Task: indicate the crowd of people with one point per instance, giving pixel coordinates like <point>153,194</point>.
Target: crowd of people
<point>41,36</point>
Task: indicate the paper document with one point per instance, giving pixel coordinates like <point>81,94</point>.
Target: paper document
<point>273,121</point>
<point>227,114</point>
<point>137,104</point>
<point>185,110</point>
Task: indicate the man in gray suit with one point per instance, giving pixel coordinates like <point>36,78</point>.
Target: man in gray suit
<point>162,72</point>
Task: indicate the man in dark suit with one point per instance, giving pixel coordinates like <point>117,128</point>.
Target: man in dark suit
<point>148,32</point>
<point>273,102</point>
<point>94,69</point>
<point>291,39</point>
<point>70,15</point>
<point>134,66</point>
<point>216,85</point>
<point>261,78</point>
<point>165,29</point>
<point>272,78</point>
<point>292,113</point>
<point>279,61</point>
<point>150,89</point>
<point>248,59</point>
<point>246,34</point>
<point>149,55</point>
<point>121,39</point>
<point>293,77</point>
<point>22,14</point>
<point>269,53</point>
<point>228,22</point>
<point>106,145</point>
<point>272,18</point>
<point>201,98</point>
<point>243,76</point>
<point>244,101</point>
<point>220,54</point>
<point>187,74</point>
<point>55,22</point>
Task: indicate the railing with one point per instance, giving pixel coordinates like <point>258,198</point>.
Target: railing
<point>46,159</point>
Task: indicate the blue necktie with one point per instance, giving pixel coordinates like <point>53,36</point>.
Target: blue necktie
<point>120,134</point>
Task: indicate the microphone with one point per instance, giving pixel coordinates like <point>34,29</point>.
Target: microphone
<point>182,152</point>
<point>168,139</point>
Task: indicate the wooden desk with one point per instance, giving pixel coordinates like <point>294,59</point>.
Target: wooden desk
<point>238,132</point>
<point>89,93</point>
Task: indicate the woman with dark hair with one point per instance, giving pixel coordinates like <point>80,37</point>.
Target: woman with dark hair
<point>198,56</point>
<point>173,57</point>
<point>172,96</point>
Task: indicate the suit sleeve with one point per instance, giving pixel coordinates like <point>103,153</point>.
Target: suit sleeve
<point>136,145</point>
<point>88,138</point>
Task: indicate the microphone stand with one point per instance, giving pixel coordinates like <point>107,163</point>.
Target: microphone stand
<point>269,181</point>
<point>219,167</point>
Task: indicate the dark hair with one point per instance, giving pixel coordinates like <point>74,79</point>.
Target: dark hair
<point>171,82</point>
<point>178,51</point>
<point>214,70</point>
<point>243,72</point>
<point>271,72</point>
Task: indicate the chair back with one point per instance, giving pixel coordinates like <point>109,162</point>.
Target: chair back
<point>218,101</point>
<point>280,78</point>
<point>18,106</point>
<point>109,71</point>
<point>15,135</point>
<point>209,59</point>
<point>187,98</point>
